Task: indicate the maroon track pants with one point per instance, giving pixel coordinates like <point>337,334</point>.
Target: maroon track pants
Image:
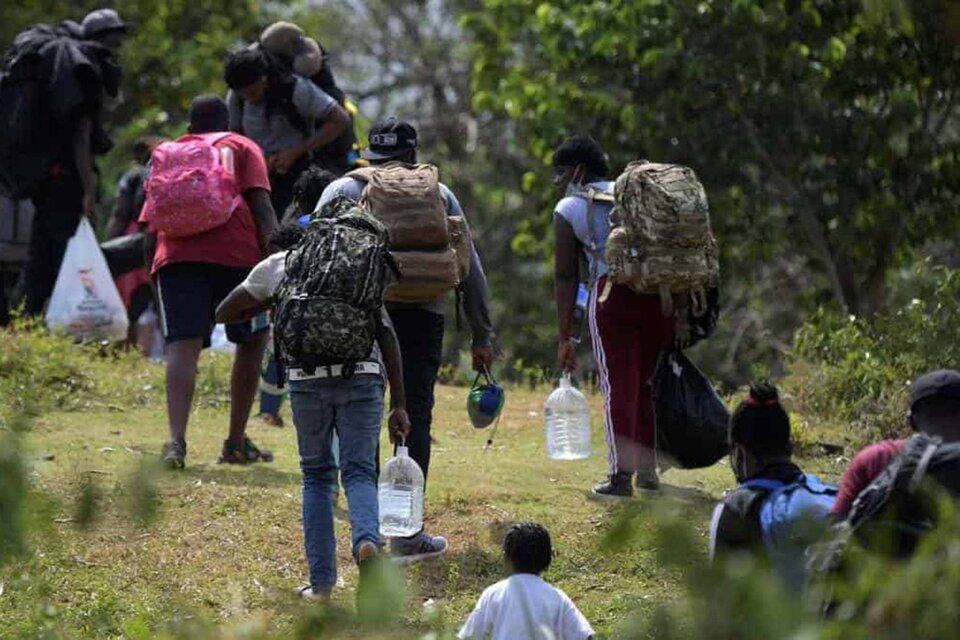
<point>629,331</point>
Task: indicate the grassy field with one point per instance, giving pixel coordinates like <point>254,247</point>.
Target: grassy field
<point>223,551</point>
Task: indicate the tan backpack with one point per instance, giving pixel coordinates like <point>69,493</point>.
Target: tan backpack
<point>431,248</point>
<point>661,240</point>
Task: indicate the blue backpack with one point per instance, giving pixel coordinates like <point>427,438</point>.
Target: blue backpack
<point>792,517</point>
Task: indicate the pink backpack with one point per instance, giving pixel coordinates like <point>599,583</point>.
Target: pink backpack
<point>192,186</point>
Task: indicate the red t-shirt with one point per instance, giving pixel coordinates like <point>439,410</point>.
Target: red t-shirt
<point>236,242</point>
<point>864,469</point>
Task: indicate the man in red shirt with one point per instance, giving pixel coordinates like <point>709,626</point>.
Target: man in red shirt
<point>194,273</point>
<point>934,410</point>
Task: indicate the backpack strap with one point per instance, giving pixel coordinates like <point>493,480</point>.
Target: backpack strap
<point>815,485</point>
<point>921,469</point>
<point>764,484</point>
<point>592,195</point>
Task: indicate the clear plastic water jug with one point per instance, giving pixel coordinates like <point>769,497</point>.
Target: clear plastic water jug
<point>567,417</point>
<point>401,496</point>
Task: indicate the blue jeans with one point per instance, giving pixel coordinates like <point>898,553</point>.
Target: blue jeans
<point>353,408</point>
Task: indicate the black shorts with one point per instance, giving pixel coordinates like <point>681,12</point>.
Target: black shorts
<point>189,293</point>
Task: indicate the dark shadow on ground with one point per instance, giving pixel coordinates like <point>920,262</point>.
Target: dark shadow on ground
<point>261,474</point>
<point>441,577</point>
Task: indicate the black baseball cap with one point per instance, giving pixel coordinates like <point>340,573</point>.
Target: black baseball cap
<point>103,20</point>
<point>944,383</point>
<point>390,138</point>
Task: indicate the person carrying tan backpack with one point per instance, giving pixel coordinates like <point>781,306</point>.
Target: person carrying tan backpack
<point>430,239</point>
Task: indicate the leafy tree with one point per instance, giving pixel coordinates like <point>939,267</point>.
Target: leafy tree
<point>826,132</point>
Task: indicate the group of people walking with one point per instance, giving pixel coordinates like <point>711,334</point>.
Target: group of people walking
<point>300,242</point>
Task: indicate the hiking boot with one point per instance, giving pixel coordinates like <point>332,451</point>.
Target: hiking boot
<point>270,420</point>
<point>616,486</point>
<point>174,453</point>
<point>247,453</point>
<point>648,480</point>
<point>314,594</point>
<point>416,548</point>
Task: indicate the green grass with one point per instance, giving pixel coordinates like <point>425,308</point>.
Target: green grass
<point>223,551</point>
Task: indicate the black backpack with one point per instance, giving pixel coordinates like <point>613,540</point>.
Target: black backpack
<point>48,77</point>
<point>890,516</point>
<point>894,512</point>
<point>25,155</point>
<point>328,305</point>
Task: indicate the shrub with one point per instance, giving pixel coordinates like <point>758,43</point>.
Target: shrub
<point>858,370</point>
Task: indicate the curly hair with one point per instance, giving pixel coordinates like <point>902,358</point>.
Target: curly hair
<point>527,547</point>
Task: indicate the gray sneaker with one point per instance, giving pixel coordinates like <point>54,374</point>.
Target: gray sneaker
<point>421,546</point>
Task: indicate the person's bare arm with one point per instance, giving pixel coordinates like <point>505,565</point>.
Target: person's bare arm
<point>83,160</point>
<point>240,306</point>
<point>149,247</point>
<point>121,215</point>
<point>566,277</point>
<point>263,215</point>
<point>335,123</point>
<point>399,421</point>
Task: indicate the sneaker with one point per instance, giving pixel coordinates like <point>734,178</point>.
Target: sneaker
<point>615,487</point>
<point>418,547</point>
<point>314,594</point>
<point>371,572</point>
<point>648,480</point>
<point>245,454</point>
<point>270,420</point>
<point>174,454</point>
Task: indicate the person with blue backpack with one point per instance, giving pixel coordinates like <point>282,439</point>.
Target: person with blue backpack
<point>777,510</point>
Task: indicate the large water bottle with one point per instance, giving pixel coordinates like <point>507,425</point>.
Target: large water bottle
<point>401,496</point>
<point>567,417</point>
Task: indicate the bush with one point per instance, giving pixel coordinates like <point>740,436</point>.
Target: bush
<point>858,370</point>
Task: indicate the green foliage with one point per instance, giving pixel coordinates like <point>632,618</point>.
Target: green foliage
<point>857,370</point>
<point>13,493</point>
<point>826,136</point>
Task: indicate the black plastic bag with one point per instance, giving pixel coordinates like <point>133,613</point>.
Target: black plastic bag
<point>691,418</point>
<point>124,253</point>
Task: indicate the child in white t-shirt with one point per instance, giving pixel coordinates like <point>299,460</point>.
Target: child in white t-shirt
<point>525,606</point>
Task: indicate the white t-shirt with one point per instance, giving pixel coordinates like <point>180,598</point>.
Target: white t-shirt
<point>264,279</point>
<point>525,607</point>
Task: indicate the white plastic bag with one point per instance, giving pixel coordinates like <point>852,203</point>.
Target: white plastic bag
<point>85,302</point>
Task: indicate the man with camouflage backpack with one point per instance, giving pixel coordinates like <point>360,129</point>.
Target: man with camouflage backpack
<point>332,330</point>
<point>431,241</point>
<point>652,262</point>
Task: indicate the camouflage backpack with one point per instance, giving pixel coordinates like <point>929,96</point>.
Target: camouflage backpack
<point>328,304</point>
<point>661,240</point>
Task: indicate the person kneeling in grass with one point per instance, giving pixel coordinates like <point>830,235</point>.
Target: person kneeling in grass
<point>323,403</point>
<point>525,605</point>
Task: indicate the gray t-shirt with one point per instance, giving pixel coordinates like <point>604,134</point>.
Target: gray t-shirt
<point>275,132</point>
<point>475,295</point>
<point>573,209</point>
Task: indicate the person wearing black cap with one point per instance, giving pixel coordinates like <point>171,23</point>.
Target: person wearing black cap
<point>287,115</point>
<point>934,410</point>
<point>760,448</point>
<point>420,326</point>
<point>194,273</point>
<point>106,27</point>
<point>69,188</point>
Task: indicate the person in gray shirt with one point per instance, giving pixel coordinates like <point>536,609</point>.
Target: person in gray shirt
<point>289,117</point>
<point>420,326</point>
